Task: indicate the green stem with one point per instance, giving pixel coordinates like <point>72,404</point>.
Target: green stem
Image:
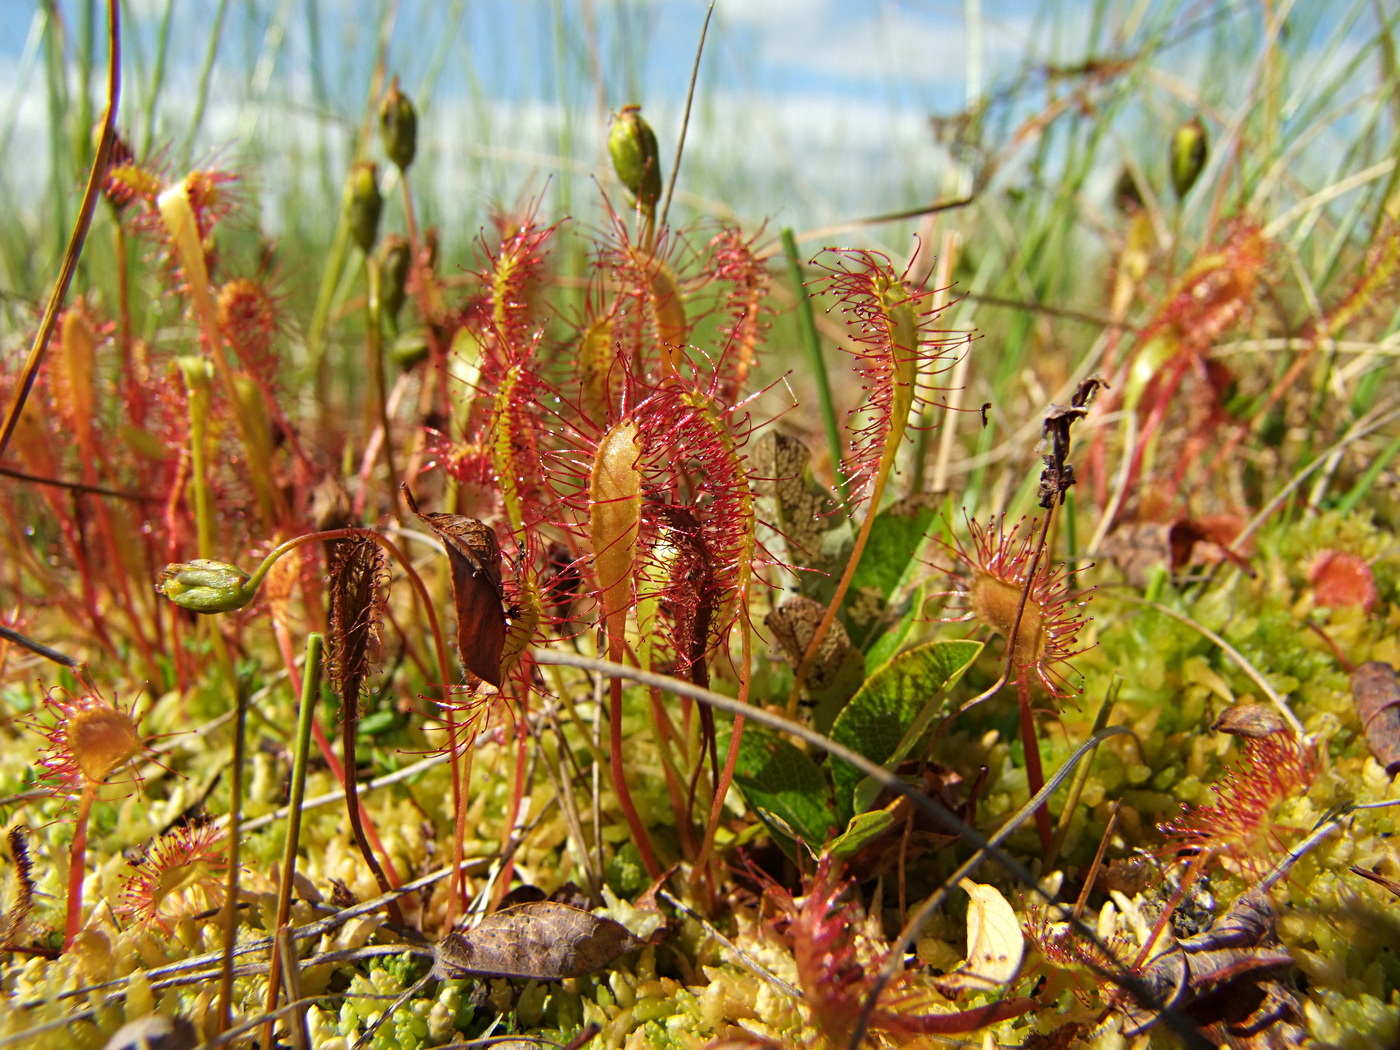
<point>196,372</point>
<point>374,365</point>
<point>807,322</point>
<point>310,692</point>
<point>229,913</point>
<point>74,250</point>
<point>201,95</point>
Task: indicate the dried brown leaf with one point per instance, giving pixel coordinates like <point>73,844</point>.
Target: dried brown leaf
<point>1255,721</point>
<point>1377,693</point>
<point>543,941</point>
<point>474,554</point>
<point>793,623</point>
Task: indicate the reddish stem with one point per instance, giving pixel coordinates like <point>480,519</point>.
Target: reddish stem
<point>1035,772</point>
<point>77,866</point>
<point>736,736</point>
<point>624,798</point>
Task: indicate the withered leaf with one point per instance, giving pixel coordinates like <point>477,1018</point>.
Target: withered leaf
<point>474,554</point>
<point>543,941</point>
<point>1138,548</point>
<point>995,943</point>
<point>1227,980</point>
<point>1255,721</point>
<point>803,506</point>
<point>1377,693</point>
<point>912,832</point>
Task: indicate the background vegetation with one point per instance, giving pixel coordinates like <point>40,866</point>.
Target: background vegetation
<point>1195,206</point>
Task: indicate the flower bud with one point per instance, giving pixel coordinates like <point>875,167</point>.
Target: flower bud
<point>1188,155</point>
<point>635,157</point>
<point>363,204</point>
<point>205,586</point>
<point>1127,194</point>
<point>394,261</point>
<point>398,126</point>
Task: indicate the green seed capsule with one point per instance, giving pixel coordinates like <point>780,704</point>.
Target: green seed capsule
<point>205,586</point>
<point>394,260</point>
<point>635,156</point>
<point>398,126</point>
<point>363,204</point>
<point>1188,155</point>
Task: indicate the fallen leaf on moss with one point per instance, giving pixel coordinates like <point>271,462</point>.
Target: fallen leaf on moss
<point>995,943</point>
<point>542,941</point>
<point>1377,694</point>
<point>1255,721</point>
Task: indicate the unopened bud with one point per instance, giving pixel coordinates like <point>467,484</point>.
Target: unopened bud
<point>635,156</point>
<point>206,586</point>
<point>398,126</point>
<point>363,204</point>
<point>1188,155</point>
<point>1127,194</point>
<point>394,260</point>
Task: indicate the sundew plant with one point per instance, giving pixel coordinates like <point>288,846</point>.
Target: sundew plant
<point>627,625</point>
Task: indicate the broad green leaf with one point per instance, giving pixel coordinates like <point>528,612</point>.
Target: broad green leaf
<point>863,829</point>
<point>782,779</point>
<point>894,543</point>
<point>907,690</point>
<point>889,643</point>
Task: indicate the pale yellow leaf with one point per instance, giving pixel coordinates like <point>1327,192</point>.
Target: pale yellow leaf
<point>995,944</point>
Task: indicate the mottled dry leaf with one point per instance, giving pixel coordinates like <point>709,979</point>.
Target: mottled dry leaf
<point>1255,721</point>
<point>1137,548</point>
<point>474,554</point>
<point>995,943</point>
<point>804,508</point>
<point>793,623</point>
<point>543,941</point>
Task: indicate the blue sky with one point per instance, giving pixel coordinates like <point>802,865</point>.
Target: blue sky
<point>794,93</point>
<point>810,111</point>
